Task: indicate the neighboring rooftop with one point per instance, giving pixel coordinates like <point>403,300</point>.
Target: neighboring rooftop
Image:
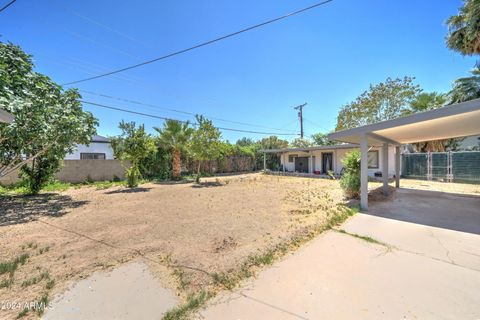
<point>101,139</point>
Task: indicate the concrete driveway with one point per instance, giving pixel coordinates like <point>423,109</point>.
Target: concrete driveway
<point>426,267</point>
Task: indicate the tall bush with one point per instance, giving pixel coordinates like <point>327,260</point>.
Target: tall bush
<point>132,146</point>
<point>350,181</point>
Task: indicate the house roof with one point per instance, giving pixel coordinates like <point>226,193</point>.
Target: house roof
<point>5,116</point>
<point>101,139</point>
<point>314,148</point>
<point>458,120</point>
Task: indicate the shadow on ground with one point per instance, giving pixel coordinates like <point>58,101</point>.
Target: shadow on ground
<point>22,209</point>
<point>208,184</point>
<point>129,190</point>
<point>431,208</point>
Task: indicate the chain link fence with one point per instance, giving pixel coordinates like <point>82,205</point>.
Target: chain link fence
<point>442,166</point>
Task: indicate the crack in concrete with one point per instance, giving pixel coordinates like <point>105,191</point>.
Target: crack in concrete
<point>447,252</point>
<point>390,248</point>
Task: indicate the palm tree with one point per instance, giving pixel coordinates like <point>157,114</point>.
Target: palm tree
<point>465,89</point>
<point>427,101</point>
<point>175,136</point>
<point>464,29</point>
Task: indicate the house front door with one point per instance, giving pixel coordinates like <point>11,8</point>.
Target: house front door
<point>327,162</point>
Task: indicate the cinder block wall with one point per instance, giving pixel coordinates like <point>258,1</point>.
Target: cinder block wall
<point>76,171</point>
<point>97,170</point>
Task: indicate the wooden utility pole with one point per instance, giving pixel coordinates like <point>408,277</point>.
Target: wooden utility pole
<point>300,117</point>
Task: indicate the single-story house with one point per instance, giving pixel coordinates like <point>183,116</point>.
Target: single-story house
<point>325,159</point>
<point>5,117</point>
<point>98,149</point>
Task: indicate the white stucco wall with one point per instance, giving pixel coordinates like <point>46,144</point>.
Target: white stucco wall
<point>94,147</point>
<point>338,154</point>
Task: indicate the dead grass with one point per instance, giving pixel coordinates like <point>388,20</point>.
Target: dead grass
<point>211,236</point>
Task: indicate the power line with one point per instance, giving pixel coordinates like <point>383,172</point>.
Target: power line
<point>166,118</point>
<point>7,5</point>
<point>98,23</point>
<point>316,125</point>
<point>178,111</point>
<point>201,44</point>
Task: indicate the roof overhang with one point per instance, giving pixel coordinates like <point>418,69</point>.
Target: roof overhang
<point>5,116</point>
<point>458,120</point>
<point>308,149</point>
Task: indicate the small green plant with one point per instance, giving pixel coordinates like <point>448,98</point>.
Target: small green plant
<point>88,180</point>
<point>22,313</point>
<point>225,280</point>
<point>56,186</point>
<point>331,175</point>
<point>133,176</point>
<point>50,284</point>
<point>350,181</point>
<point>42,303</point>
<point>193,302</point>
<point>11,266</point>
<point>6,283</point>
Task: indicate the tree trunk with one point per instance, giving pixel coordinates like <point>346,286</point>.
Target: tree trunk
<point>198,171</point>
<point>176,164</point>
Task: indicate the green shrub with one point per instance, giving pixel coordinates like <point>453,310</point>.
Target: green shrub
<point>350,181</point>
<point>133,176</point>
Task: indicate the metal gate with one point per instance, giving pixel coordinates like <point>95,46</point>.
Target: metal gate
<point>442,166</point>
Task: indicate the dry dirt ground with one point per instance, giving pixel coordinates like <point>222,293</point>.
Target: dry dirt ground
<point>184,232</point>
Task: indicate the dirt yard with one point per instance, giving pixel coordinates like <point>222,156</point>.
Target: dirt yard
<point>184,232</point>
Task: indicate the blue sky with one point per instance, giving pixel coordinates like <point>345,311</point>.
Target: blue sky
<point>325,57</point>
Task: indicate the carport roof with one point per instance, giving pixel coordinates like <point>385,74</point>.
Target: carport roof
<point>458,120</point>
<point>306,149</point>
<point>5,116</point>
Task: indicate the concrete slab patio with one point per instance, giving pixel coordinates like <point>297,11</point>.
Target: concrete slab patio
<point>428,269</point>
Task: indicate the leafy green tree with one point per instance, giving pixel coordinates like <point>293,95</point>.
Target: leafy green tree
<point>272,159</point>
<point>175,136</point>
<point>244,142</point>
<point>384,101</point>
<point>301,143</point>
<point>465,89</point>
<point>205,143</point>
<point>464,29</point>
<point>132,146</point>
<point>321,139</point>
<point>49,121</point>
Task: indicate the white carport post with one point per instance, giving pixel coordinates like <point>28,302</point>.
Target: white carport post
<point>385,168</point>
<point>364,172</point>
<point>397,167</point>
<point>284,163</point>
<point>264,162</point>
<point>310,163</point>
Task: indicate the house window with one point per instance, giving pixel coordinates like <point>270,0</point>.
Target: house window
<point>92,156</point>
<point>373,159</point>
<point>292,157</point>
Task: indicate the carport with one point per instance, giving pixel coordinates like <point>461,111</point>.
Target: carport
<point>453,121</point>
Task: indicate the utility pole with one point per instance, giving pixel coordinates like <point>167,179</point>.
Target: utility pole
<point>300,117</point>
